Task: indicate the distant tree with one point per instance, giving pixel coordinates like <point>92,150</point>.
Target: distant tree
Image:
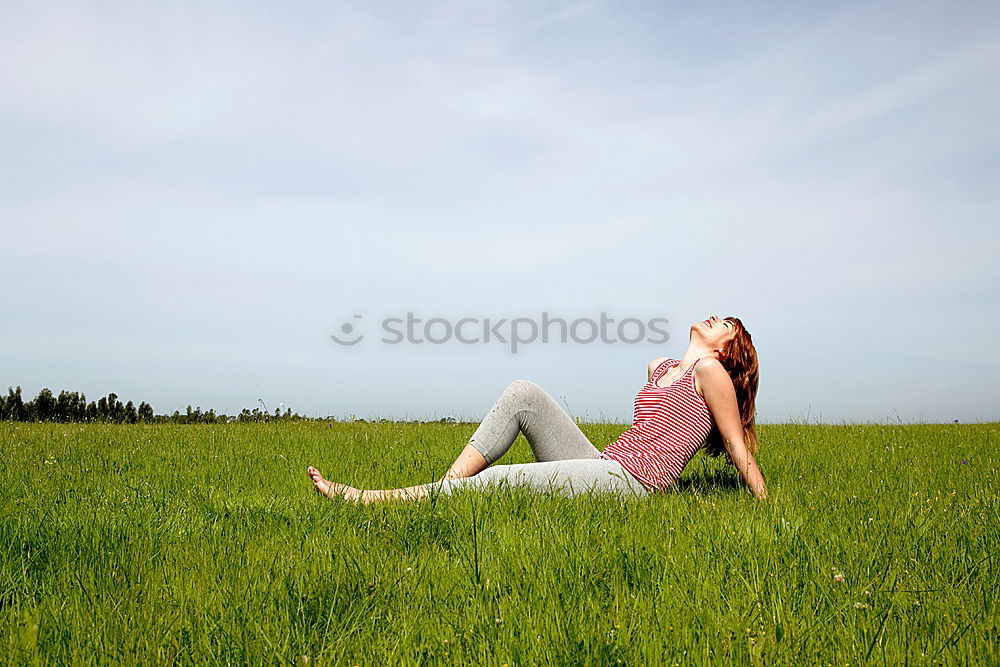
<point>92,412</point>
<point>116,411</point>
<point>19,410</point>
<point>43,408</point>
<point>145,412</point>
<point>131,416</point>
<point>64,406</point>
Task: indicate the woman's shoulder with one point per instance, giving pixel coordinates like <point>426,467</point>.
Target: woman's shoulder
<point>657,367</point>
<point>709,366</point>
<point>655,363</point>
<point>709,369</point>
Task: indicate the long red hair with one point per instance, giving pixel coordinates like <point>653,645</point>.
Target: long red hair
<point>739,358</point>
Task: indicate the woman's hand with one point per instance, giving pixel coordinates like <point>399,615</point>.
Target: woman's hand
<point>720,397</point>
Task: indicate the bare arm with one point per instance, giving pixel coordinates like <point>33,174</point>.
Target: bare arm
<point>720,396</point>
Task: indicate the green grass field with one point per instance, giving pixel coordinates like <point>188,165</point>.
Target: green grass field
<point>206,544</point>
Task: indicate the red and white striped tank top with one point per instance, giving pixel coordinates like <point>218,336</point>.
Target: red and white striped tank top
<point>669,426</point>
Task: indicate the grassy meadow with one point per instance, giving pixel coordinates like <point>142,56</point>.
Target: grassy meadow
<point>207,544</point>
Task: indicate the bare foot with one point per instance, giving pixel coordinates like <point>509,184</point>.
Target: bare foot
<point>321,484</point>
<point>332,490</point>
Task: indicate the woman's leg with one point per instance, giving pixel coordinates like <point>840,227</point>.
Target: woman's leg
<point>470,462</point>
<point>570,477</point>
<point>523,407</point>
<point>335,491</point>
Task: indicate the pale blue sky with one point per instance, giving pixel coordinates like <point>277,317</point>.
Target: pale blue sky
<point>193,196</point>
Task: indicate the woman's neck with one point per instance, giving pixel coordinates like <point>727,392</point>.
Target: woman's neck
<point>695,351</point>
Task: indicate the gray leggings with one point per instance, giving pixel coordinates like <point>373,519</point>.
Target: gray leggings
<point>568,462</point>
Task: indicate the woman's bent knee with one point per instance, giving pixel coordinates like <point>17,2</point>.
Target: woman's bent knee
<point>522,386</point>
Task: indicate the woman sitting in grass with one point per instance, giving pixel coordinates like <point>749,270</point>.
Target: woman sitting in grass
<point>705,399</point>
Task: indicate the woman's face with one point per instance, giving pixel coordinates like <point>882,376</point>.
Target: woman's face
<point>714,332</point>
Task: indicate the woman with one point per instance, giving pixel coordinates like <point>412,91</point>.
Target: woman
<point>705,399</point>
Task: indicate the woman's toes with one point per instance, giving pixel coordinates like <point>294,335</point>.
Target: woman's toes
<point>321,484</point>
<point>333,490</point>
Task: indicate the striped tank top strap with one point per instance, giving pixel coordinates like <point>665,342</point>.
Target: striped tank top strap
<point>661,370</point>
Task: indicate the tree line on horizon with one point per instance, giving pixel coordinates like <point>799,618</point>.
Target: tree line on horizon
<point>72,406</point>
